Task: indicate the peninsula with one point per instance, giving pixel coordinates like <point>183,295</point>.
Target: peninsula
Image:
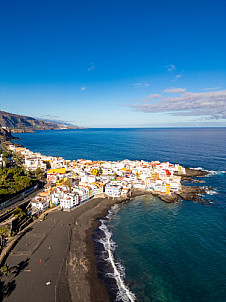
<point>57,260</point>
<point>69,183</point>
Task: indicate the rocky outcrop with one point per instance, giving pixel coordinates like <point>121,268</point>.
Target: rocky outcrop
<point>193,193</point>
<point>169,198</point>
<point>6,136</point>
<point>190,173</point>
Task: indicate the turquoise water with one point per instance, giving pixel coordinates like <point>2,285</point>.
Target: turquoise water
<point>170,252</point>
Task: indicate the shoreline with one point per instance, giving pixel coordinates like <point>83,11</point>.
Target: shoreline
<point>96,289</point>
<point>63,254</point>
<point>77,278</point>
<point>81,262</point>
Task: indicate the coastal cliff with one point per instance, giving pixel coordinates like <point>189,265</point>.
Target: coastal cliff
<point>6,136</point>
<point>19,123</point>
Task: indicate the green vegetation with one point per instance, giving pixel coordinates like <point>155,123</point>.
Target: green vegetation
<point>5,269</point>
<point>19,212</point>
<point>6,156</point>
<point>12,181</point>
<point>38,173</point>
<point>4,230</point>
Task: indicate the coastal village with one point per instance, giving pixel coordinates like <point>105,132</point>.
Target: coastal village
<point>35,230</point>
<point>70,183</point>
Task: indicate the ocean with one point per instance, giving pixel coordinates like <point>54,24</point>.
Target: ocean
<point>148,250</point>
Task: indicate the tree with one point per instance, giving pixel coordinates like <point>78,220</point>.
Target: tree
<point>23,181</point>
<point>38,172</point>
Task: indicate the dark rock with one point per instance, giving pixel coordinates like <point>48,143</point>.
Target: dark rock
<point>5,135</point>
<point>169,198</point>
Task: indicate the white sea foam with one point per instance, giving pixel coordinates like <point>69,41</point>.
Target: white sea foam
<point>211,172</point>
<point>215,172</point>
<point>207,191</point>
<point>123,294</point>
<point>199,168</point>
<point>211,192</point>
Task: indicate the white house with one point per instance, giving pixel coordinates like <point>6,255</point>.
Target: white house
<point>39,204</point>
<point>56,197</point>
<point>174,186</point>
<point>139,184</point>
<point>33,163</point>
<point>113,190</point>
<point>91,179</point>
<point>83,193</point>
<point>69,201</point>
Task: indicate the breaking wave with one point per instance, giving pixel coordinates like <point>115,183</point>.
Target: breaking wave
<point>211,192</point>
<point>118,271</point>
<point>208,190</point>
<point>211,172</point>
<point>216,172</point>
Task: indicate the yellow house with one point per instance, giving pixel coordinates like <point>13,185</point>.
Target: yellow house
<point>57,171</point>
<point>126,170</point>
<point>168,187</point>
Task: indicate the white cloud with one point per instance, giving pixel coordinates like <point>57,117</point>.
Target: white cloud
<point>91,67</point>
<point>171,67</point>
<point>175,90</point>
<point>178,76</point>
<point>214,88</point>
<point>151,97</point>
<point>141,84</point>
<point>211,104</point>
<point>83,88</point>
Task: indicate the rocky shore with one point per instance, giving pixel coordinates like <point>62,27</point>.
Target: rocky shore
<point>193,193</point>
<point>81,262</point>
<point>61,262</point>
<point>74,277</point>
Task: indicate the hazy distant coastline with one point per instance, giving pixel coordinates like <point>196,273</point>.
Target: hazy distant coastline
<point>23,124</point>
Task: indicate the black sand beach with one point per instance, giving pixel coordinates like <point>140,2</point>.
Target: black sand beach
<point>55,259</point>
<point>59,250</point>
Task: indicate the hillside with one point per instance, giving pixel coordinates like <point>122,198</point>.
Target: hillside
<point>5,135</point>
<point>20,123</point>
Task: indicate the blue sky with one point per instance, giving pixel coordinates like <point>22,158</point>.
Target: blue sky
<point>115,63</point>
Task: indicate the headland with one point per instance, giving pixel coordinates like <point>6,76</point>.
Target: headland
<point>55,258</point>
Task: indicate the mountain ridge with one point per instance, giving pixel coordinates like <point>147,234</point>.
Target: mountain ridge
<point>20,123</point>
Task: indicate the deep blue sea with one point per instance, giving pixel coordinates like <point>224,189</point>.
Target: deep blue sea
<point>162,252</point>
